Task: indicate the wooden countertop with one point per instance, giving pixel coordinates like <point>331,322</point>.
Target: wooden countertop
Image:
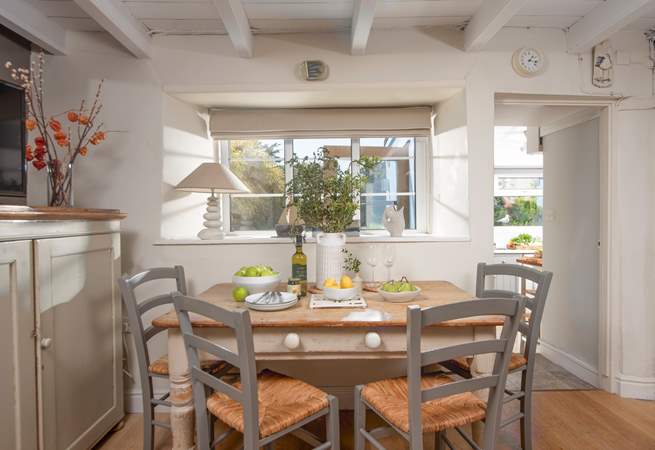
<point>12,212</point>
<point>531,261</point>
<point>301,316</point>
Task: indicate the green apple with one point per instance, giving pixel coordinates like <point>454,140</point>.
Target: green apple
<point>252,272</point>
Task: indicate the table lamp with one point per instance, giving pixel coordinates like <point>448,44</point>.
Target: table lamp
<point>214,178</point>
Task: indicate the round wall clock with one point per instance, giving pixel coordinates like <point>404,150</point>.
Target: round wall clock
<point>528,62</point>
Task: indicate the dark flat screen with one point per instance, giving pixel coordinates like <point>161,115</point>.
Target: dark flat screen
<point>12,140</point>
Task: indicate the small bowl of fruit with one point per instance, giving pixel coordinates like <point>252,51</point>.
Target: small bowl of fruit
<point>257,279</point>
<point>340,290</point>
<point>399,291</point>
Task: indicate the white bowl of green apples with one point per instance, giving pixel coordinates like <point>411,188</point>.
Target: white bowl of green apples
<point>399,291</point>
<point>257,279</point>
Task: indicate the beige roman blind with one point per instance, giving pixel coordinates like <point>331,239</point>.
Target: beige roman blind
<point>321,122</point>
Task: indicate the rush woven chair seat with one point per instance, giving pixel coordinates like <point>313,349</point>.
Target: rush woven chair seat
<point>391,398</point>
<point>528,332</point>
<point>283,401</point>
<point>417,403</point>
<point>160,366</point>
<point>516,362</point>
<point>142,334</point>
<point>263,408</point>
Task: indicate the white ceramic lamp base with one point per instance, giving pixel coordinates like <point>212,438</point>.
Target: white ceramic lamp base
<point>213,220</point>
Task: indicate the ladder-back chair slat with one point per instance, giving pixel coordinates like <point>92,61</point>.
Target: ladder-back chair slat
<point>205,345</point>
<point>457,387</point>
<point>466,309</point>
<point>470,348</point>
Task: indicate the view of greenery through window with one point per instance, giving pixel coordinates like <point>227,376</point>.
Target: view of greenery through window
<point>260,164</point>
<point>518,211</point>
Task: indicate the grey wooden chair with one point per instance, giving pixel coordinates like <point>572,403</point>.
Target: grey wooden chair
<point>143,333</point>
<point>417,403</point>
<point>523,362</point>
<point>262,407</point>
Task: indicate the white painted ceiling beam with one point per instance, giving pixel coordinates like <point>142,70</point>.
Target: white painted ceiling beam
<point>236,23</point>
<point>116,19</point>
<point>488,20</point>
<point>28,22</point>
<point>363,14</point>
<point>603,21</point>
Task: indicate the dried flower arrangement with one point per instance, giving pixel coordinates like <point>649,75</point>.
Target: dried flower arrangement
<point>56,145</point>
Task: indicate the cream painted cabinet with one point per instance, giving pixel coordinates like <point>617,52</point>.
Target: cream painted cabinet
<point>79,342</point>
<point>18,404</point>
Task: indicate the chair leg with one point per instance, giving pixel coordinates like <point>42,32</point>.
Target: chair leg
<point>148,427</point>
<point>333,423</point>
<point>360,418</point>
<point>439,444</point>
<point>526,409</point>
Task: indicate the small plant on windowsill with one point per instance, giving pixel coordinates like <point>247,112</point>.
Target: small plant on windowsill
<point>352,264</point>
<point>326,196</point>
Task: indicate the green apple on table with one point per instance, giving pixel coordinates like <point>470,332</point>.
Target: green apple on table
<point>256,271</point>
<point>398,286</point>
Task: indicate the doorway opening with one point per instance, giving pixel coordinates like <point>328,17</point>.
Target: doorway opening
<point>548,206</point>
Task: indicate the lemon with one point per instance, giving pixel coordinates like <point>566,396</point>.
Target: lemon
<point>330,282</point>
<point>346,282</point>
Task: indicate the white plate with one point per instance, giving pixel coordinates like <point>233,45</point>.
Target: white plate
<point>287,300</point>
<point>400,297</point>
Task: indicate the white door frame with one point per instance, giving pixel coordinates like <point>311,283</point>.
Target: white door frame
<point>609,327</point>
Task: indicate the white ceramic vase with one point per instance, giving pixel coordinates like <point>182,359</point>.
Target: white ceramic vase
<point>394,220</point>
<point>329,256</point>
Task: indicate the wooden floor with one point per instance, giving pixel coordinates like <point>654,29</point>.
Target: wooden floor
<point>563,420</point>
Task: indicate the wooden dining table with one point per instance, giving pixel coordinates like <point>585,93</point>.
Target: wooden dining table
<point>334,349</point>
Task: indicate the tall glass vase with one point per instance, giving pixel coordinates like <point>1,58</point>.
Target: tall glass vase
<point>60,185</point>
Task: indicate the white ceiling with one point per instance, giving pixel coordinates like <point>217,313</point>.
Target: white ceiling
<point>290,16</point>
<point>535,115</point>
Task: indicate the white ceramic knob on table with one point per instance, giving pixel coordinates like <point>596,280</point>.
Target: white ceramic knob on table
<point>292,341</point>
<point>372,340</point>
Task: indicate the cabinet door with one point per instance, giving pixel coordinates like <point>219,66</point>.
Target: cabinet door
<point>18,416</point>
<point>80,321</point>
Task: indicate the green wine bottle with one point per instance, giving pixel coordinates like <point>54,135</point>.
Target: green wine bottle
<point>299,265</point>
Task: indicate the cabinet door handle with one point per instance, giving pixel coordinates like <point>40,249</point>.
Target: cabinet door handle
<point>46,343</point>
<point>372,340</point>
<point>292,341</point>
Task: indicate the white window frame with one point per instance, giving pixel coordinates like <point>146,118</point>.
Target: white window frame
<point>422,195</point>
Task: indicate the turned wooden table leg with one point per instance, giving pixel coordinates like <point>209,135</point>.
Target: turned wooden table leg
<point>482,365</point>
<point>181,398</point>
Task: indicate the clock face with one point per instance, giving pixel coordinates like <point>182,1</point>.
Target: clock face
<point>528,62</point>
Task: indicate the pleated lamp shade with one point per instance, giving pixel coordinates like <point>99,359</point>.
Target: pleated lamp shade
<point>212,177</point>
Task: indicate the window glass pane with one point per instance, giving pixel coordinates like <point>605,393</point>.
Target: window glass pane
<point>255,213</point>
<point>388,147</point>
<point>392,176</point>
<point>518,211</point>
<point>259,163</point>
<point>338,147</point>
<point>372,210</point>
<point>520,183</point>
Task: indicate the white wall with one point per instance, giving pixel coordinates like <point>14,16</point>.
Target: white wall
<point>635,204</point>
<point>571,235</point>
<point>134,169</point>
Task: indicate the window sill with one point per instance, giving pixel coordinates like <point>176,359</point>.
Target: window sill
<point>362,239</point>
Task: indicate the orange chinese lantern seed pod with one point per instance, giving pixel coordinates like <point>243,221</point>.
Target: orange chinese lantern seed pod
<point>28,153</point>
<point>84,120</point>
<point>84,151</point>
<point>72,116</point>
<point>38,164</point>
<point>30,124</point>
<point>60,135</point>
<point>39,141</point>
<point>55,125</point>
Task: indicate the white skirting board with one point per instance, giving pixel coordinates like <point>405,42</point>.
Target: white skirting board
<point>629,386</point>
<point>574,365</point>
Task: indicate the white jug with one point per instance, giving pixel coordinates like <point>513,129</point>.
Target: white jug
<point>329,256</point>
<point>394,220</point>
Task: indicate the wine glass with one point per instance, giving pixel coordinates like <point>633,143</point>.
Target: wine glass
<point>388,258</point>
<point>372,260</point>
